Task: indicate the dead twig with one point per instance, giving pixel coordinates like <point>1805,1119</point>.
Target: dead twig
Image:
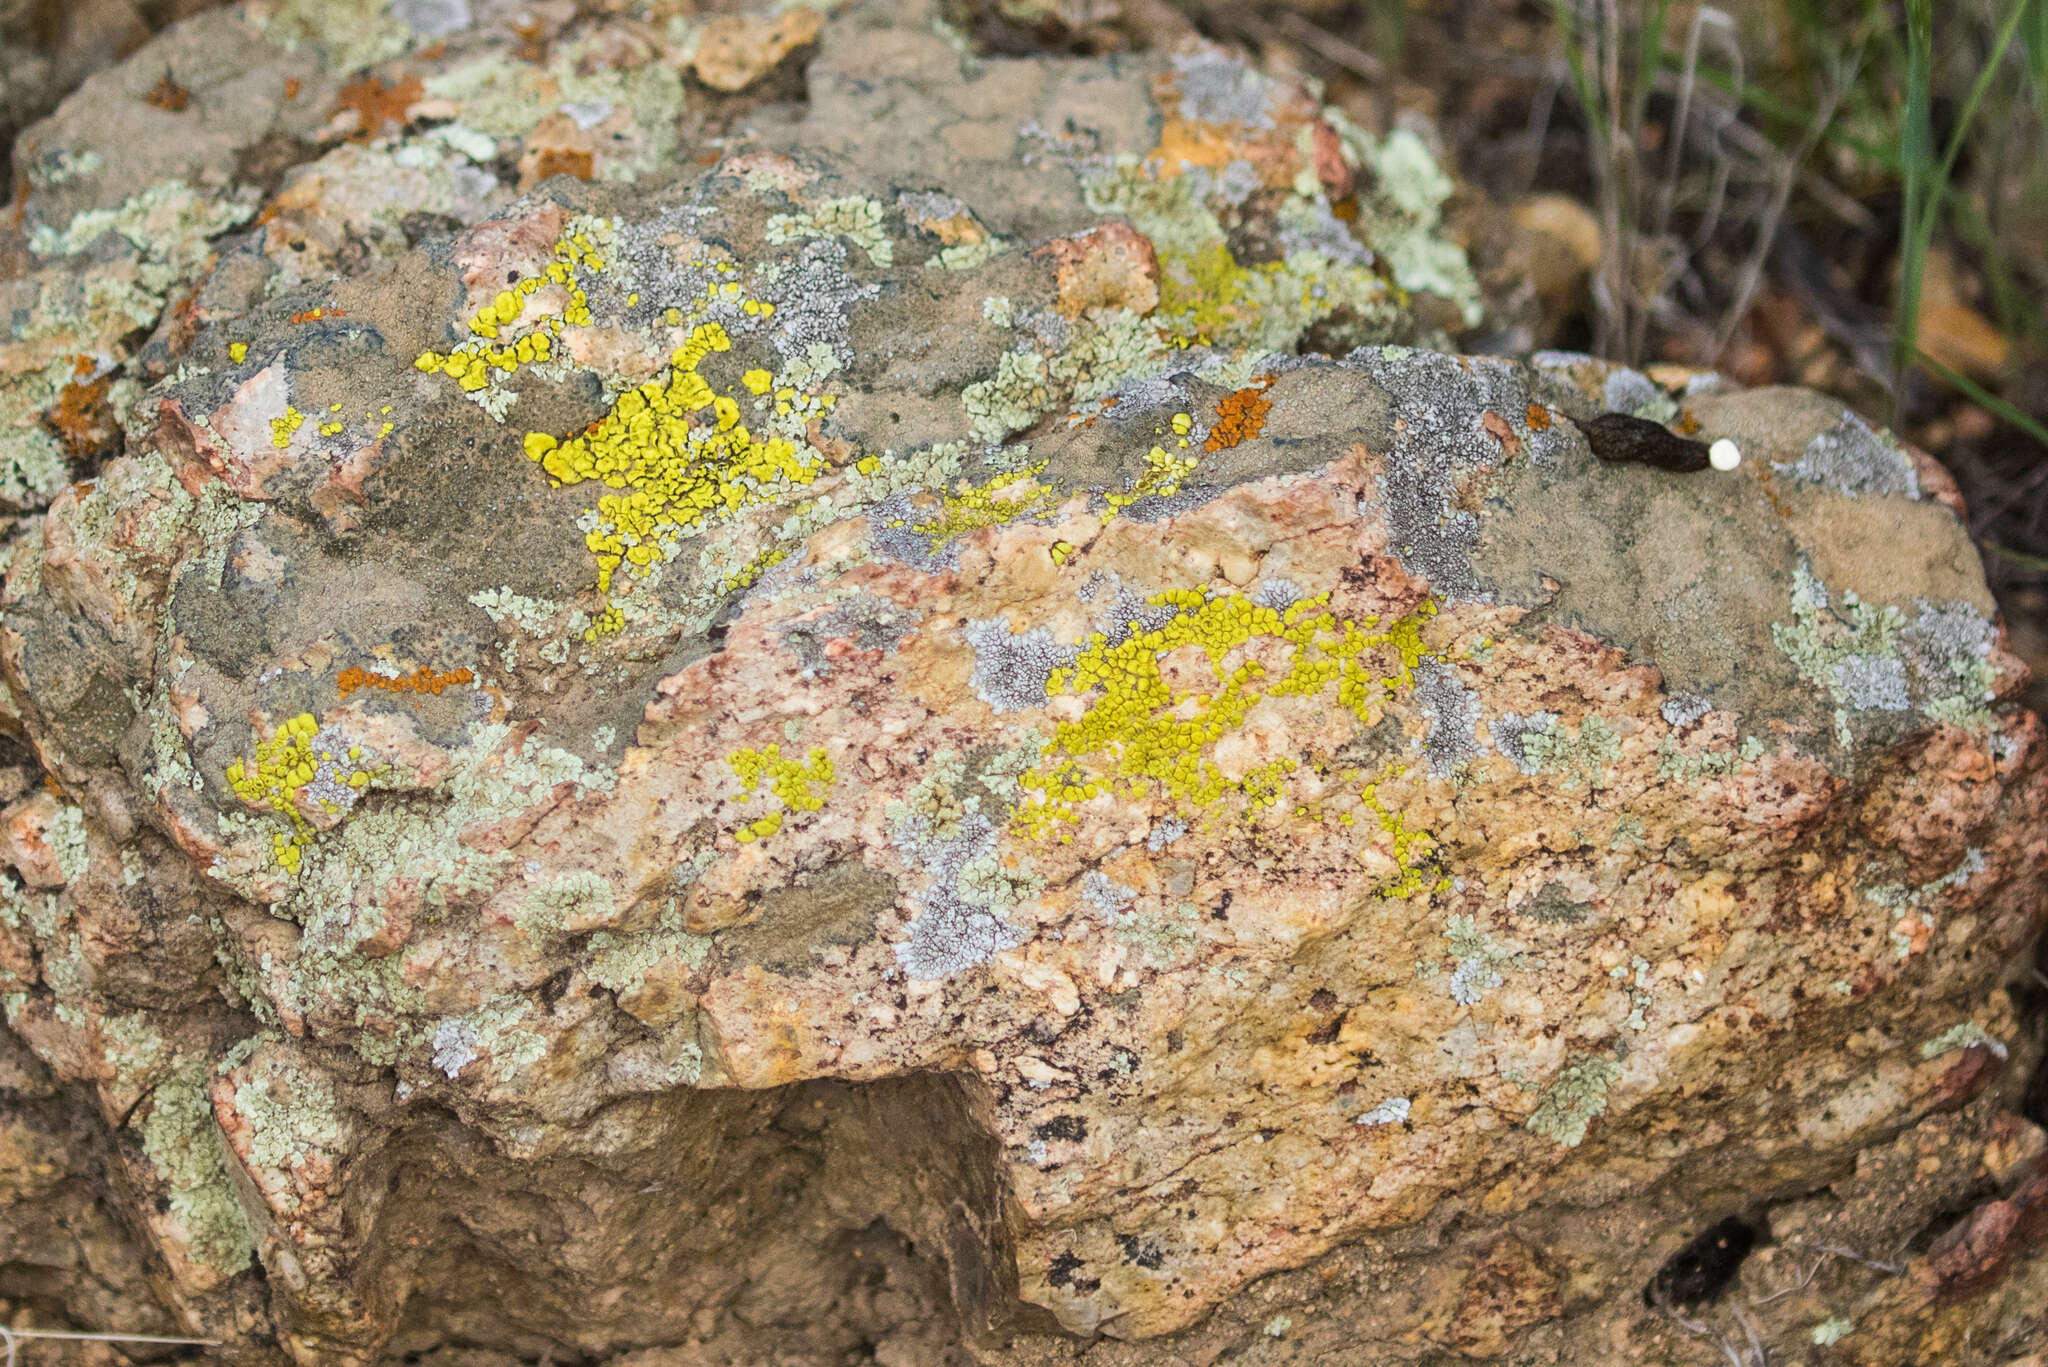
<point>1781,193</point>
<point>11,1339</point>
<point>1800,1283</point>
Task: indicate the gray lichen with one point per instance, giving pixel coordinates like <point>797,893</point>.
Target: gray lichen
<point>1011,668</point>
<point>1872,659</point>
<point>1513,729</point>
<point>1452,711</point>
<point>1854,459</point>
<point>1683,709</point>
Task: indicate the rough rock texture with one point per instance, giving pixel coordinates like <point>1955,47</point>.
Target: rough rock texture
<point>910,732</point>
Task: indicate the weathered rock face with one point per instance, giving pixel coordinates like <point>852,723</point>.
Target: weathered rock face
<point>914,736</point>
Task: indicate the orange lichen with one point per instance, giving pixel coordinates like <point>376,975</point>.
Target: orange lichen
<point>376,104</point>
<point>1240,416</point>
<point>421,680</point>
<point>315,315</point>
<point>168,95</point>
<point>557,161</point>
<point>1538,418</point>
<point>81,419</point>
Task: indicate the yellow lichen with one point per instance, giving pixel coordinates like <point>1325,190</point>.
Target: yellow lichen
<point>794,783</point>
<point>281,429</point>
<point>1413,850</point>
<point>285,762</point>
<point>1138,734</point>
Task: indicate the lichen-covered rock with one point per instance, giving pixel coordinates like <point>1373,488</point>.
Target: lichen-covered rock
<point>927,729</point>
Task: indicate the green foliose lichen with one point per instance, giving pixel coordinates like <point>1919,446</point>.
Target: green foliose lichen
<point>1573,1099</point>
<point>1581,754</point>
<point>184,1145</point>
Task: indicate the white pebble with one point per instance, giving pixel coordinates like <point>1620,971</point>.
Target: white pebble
<point>1724,455</point>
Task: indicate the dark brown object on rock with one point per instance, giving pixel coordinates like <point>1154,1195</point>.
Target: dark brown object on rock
<point>1622,440</point>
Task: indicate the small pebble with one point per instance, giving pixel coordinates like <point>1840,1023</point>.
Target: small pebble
<point>1724,455</point>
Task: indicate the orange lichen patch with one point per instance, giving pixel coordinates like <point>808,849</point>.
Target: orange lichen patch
<point>315,315</point>
<point>291,88</point>
<point>1538,418</point>
<point>1687,423</point>
<point>1763,479</point>
<point>539,163</point>
<point>421,680</point>
<point>168,95</point>
<point>1113,266</point>
<point>1266,143</point>
<point>942,217</point>
<point>1240,416</point>
<point>81,419</point>
<point>376,104</point>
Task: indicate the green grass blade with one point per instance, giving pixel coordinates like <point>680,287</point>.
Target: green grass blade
<point>1985,399</point>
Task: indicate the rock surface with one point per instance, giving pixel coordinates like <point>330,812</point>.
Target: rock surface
<point>908,726</point>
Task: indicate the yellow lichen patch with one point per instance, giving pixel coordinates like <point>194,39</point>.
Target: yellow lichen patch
<point>1162,476</point>
<point>1139,735</point>
<point>281,429</point>
<point>1209,297</point>
<point>998,501</point>
<point>674,468</point>
<point>238,352</point>
<point>678,451</point>
<point>472,364</point>
<point>794,783</point>
<point>745,575</point>
<point>290,759</point>
<point>1413,850</point>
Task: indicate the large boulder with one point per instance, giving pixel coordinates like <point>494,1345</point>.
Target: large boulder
<point>926,729</point>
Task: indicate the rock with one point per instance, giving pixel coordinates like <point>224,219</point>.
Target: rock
<point>939,734</point>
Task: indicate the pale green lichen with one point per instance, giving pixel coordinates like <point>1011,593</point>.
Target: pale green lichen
<point>1573,1099</point>
<point>1961,1036</point>
<point>167,224</point>
<point>858,220</point>
<point>351,34</point>
<point>967,256</point>
<point>131,1046</point>
<point>1674,762</point>
<point>1581,754</point>
<point>504,1033</point>
<point>1869,659</point>
<point>1899,897</point>
<point>582,896</point>
<point>20,909</point>
<point>1107,347</point>
<point>1480,960</point>
<point>292,1114</point>
<point>1831,1331</point>
<point>621,962</point>
<point>32,467</point>
<point>184,1145</point>
<point>1163,936</point>
<point>66,837</point>
<point>506,100</point>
